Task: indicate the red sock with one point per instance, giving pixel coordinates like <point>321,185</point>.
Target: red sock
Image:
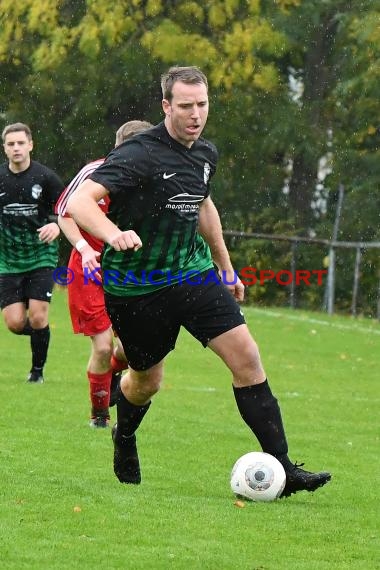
<point>100,389</point>
<point>117,364</point>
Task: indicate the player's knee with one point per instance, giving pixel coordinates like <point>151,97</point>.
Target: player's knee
<point>248,368</point>
<point>38,321</point>
<point>152,385</point>
<point>103,352</point>
<point>250,357</point>
<point>147,382</point>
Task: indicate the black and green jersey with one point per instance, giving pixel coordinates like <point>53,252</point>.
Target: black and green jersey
<point>26,201</point>
<point>156,186</point>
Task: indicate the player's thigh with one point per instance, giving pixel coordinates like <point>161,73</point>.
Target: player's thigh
<point>147,326</point>
<point>11,289</point>
<point>238,350</point>
<point>39,284</point>
<point>211,310</point>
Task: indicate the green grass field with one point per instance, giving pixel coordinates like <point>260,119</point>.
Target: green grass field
<point>62,507</point>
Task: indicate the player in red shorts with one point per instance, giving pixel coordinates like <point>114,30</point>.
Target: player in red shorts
<point>86,297</point>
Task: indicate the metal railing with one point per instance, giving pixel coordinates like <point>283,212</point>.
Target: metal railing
<point>332,246</point>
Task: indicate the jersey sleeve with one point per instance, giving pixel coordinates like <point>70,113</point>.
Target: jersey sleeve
<point>61,205</point>
<point>127,166</point>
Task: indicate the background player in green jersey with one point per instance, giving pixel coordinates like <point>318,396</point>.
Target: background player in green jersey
<point>28,246</point>
<point>163,225</point>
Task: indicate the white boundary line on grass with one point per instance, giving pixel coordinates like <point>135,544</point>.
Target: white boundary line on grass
<point>270,313</point>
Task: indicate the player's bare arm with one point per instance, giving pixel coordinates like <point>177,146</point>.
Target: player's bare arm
<point>210,229</point>
<point>83,207</point>
<point>90,257</point>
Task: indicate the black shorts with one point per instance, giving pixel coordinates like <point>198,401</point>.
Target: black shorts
<point>20,287</point>
<point>148,325</point>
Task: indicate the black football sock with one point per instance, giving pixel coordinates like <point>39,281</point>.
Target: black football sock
<point>129,417</point>
<point>39,342</point>
<point>261,412</point>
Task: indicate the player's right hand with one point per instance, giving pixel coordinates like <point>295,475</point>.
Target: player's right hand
<point>125,240</point>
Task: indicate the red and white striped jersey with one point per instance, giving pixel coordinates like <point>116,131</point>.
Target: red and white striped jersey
<point>61,205</point>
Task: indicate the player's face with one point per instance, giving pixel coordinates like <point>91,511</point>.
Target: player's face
<point>17,147</point>
<point>186,114</point>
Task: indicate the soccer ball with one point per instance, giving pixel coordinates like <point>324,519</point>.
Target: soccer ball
<point>258,476</point>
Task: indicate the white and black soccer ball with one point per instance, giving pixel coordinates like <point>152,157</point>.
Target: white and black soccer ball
<point>258,476</point>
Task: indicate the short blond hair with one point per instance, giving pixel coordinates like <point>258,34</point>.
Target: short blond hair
<point>129,129</point>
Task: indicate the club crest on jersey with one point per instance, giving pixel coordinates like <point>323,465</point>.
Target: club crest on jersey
<point>206,172</point>
<point>36,191</point>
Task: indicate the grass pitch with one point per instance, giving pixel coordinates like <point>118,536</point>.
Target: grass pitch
<point>62,507</point>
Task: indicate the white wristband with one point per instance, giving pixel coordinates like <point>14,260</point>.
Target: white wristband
<point>81,244</point>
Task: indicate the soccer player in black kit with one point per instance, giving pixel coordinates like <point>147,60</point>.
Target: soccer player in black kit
<point>28,246</point>
<point>162,231</point>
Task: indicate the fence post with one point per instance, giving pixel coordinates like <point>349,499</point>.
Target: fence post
<point>330,294</point>
<point>293,264</point>
<point>355,287</point>
<point>331,282</point>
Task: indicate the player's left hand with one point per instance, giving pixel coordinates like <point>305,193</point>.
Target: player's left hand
<point>233,284</point>
<point>49,232</point>
<point>239,291</point>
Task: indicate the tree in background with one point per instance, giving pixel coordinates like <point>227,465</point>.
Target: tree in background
<point>335,54</point>
<point>87,63</point>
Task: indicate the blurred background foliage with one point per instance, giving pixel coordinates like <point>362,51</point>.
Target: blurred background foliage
<point>294,108</point>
